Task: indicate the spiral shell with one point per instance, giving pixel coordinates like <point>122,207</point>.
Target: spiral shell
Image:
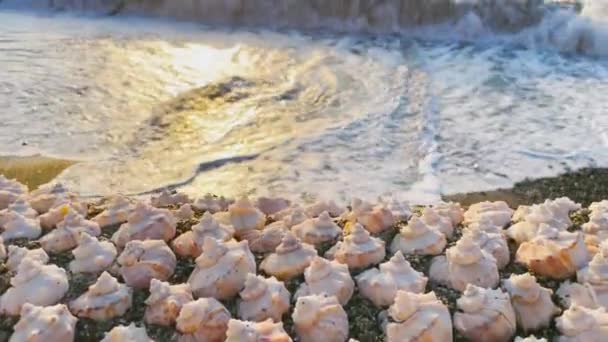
<point>330,277</point>
<point>91,255</point>
<point>191,242</point>
<point>241,331</point>
<point>117,211</point>
<point>67,233</point>
<point>203,320</point>
<point>146,223</point>
<point>129,333</point>
<point>142,261</point>
<point>317,230</point>
<point>165,302</point>
<point>358,250</point>
<point>166,199</point>
<point>263,298</point>
<point>320,318</point>
<point>290,258</point>
<point>583,324</point>
<point>50,324</point>
<point>105,299</point>
<point>418,238</point>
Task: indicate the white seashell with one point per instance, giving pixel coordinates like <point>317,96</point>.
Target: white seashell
<point>532,303</point>
<point>486,224</point>
<point>244,216</point>
<point>190,243</point>
<point>577,294</point>
<point>401,210</point>
<point>105,299</point>
<point>203,320</point>
<point>267,331</point>
<point>465,263</point>
<point>530,338</point>
<point>451,210</point>
<point>20,206</point>
<point>553,253</point>
<point>418,317</point>
<point>374,218</point>
<point>418,238</point>
<point>117,211</point>
<point>50,324</point>
<point>358,250</point>
<point>49,196</point>
<point>222,269</point>
<point>271,206</point>
<point>290,258</point>
<point>381,285</point>
<point>318,207</point>
<point>92,255</point>
<point>66,235</point>
<point>18,227</point>
<point>18,254</point>
<point>267,239</point>
<point>166,199</point>
<point>10,191</point>
<point>552,213</point>
<point>142,261</point>
<point>433,220</point>
<point>144,223</point>
<point>2,250</point>
<point>130,333</point>
<point>596,274</point>
<point>329,277</point>
<point>291,216</point>
<point>582,324</point>
<point>184,212</point>
<point>211,204</point>
<point>498,213</point>
<point>56,214</point>
<point>485,315</point>
<point>601,206</point>
<point>494,244</point>
<point>596,230</point>
<point>320,318</point>
<point>34,283</point>
<point>263,298</point>
<point>317,230</point>
<point>165,302</point>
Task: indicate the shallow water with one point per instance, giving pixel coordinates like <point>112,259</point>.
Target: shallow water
<point>148,103</point>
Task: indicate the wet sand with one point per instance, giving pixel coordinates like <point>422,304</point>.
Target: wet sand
<point>32,170</point>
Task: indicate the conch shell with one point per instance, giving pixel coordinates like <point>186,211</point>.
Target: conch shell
<point>240,331</point>
<point>596,230</point>
<point>374,218</point>
<point>10,190</point>
<point>583,324</point>
<point>184,212</point>
<point>577,294</point>
<point>530,338</point>
<point>553,253</point>
<point>34,283</point>
<point>222,269</point>
<point>401,210</point>
<point>211,204</point>
<point>50,324</point>
<point>381,285</point>
<point>320,206</point>
<point>190,243</point>
<point>290,258</point>
<point>203,320</point>
<point>267,239</point>
<point>20,206</point>
<point>320,318</point>
<point>532,303</point>
<point>330,277</point>
<point>142,261</point>
<point>2,250</point>
<point>49,196</point>
<point>92,255</point>
<point>315,231</point>
<point>271,206</point>
<point>18,226</point>
<point>358,250</point>
<point>291,216</point>
<point>244,216</point>
<point>129,333</point>
<point>56,214</point>
<point>493,243</point>
<point>144,223</point>
<point>601,206</point>
<point>596,274</point>
<point>418,238</point>
<point>433,220</point>
<point>263,298</point>
<point>498,213</point>
<point>105,299</point>
<point>465,263</point>
<point>66,235</point>
<point>165,302</point>
<point>418,317</point>
<point>18,254</point>
<point>117,211</point>
<point>485,315</point>
<point>451,210</point>
<point>167,199</point>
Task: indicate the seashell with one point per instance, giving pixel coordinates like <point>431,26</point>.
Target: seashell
<point>318,207</point>
<point>267,239</point>
<point>465,263</point>
<point>244,216</point>
<point>10,191</point>
<point>271,206</point>
<point>577,294</point>
<point>553,253</point>
<point>530,338</point>
<point>184,212</point>
<point>582,324</point>
<point>117,211</point>
<point>329,277</point>
<point>142,261</point>
<point>418,238</point>
<point>144,223</point>
<point>240,331</point>
<point>320,318</point>
<point>438,222</point>
<point>48,196</point>
<point>130,333</point>
<point>498,213</point>
<point>451,210</point>
<point>358,250</point>
<point>211,204</point>
<point>290,258</point>
<point>494,244</point>
<point>374,218</point>
<point>203,320</point>
<point>222,269</point>
<point>263,298</point>
<point>400,210</point>
<point>2,250</point>
<point>18,226</point>
<point>291,216</point>
<point>105,299</point>
<point>531,302</point>
<point>190,243</point>
<point>92,255</point>
<point>315,231</point>
<point>601,206</point>
<point>20,206</point>
<point>50,324</point>
<point>34,283</point>
<point>596,230</point>
<point>381,285</point>
<point>418,317</point>
<point>56,214</point>
<point>553,213</point>
<point>17,254</point>
<point>596,274</point>
<point>167,199</point>
<point>165,302</point>
<point>485,315</point>
<point>66,235</point>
